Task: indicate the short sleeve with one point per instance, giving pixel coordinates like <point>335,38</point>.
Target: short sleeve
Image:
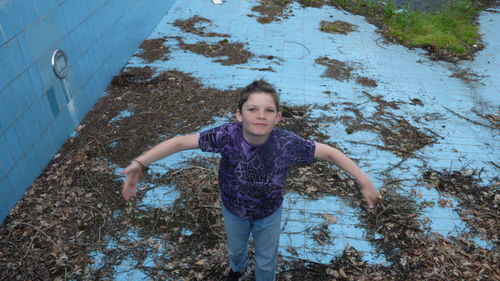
<point>300,150</point>
<point>212,140</point>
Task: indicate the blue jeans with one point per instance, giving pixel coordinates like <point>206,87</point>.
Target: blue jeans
<point>265,233</point>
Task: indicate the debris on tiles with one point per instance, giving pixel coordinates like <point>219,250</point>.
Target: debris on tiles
<point>227,53</point>
<point>336,69</point>
<point>365,81</point>
<point>271,11</point>
<point>196,25</point>
<point>398,135</point>
<point>74,211</point>
<point>479,205</point>
<point>337,26</point>
<point>153,50</point>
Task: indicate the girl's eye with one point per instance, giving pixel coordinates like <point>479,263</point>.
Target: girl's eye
<point>270,110</point>
<point>251,109</point>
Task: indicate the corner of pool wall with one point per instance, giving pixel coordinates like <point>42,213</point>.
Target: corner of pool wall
<point>39,111</point>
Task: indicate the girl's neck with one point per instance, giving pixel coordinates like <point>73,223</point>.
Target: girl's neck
<point>255,140</point>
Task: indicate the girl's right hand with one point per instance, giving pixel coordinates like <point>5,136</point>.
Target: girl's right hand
<point>133,172</point>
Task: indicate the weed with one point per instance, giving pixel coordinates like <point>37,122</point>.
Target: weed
<point>450,27</point>
<point>342,3</point>
<point>389,9</point>
<point>447,32</point>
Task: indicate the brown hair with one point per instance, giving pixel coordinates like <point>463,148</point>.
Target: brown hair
<point>259,86</point>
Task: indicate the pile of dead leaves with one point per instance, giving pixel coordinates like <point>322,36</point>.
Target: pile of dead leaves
<point>196,25</point>
<point>479,205</point>
<point>398,135</point>
<point>342,71</point>
<point>416,254</point>
<point>154,49</point>
<point>69,211</point>
<point>169,104</point>
<point>227,53</point>
<point>271,10</point>
<point>64,214</point>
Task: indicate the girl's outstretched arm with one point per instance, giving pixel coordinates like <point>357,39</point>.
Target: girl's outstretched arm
<point>335,156</point>
<point>161,150</point>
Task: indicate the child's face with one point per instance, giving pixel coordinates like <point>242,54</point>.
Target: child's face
<point>258,115</point>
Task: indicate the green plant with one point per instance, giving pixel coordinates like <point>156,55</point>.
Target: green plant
<point>389,9</point>
<point>342,3</point>
<point>371,5</point>
<point>450,27</point>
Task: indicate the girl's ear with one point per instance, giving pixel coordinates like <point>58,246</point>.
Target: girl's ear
<point>238,115</point>
<point>278,118</point>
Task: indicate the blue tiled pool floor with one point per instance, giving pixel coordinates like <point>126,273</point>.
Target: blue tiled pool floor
<point>402,75</point>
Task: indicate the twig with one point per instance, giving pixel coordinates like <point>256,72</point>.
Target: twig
<point>470,120</point>
<point>41,231</point>
<point>102,216</point>
<point>191,167</point>
<point>381,147</point>
<point>257,68</point>
<point>394,166</point>
<point>495,164</point>
<point>117,139</point>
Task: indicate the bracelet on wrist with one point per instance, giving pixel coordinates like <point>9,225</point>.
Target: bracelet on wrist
<point>142,165</point>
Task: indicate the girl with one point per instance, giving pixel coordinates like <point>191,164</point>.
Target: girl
<point>255,158</point>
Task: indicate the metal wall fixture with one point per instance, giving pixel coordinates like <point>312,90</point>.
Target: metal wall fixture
<point>60,65</point>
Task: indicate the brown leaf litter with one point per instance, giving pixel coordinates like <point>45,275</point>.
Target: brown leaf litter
<point>74,208</point>
<point>153,49</point>
<point>70,210</point>
<point>396,132</point>
<point>195,25</point>
<point>271,10</point>
<point>479,205</point>
<point>152,103</point>
<point>366,81</point>
<point>337,26</point>
<point>227,52</point>
<point>467,75</point>
<point>61,218</point>
<point>342,71</point>
<point>492,119</point>
<point>336,69</point>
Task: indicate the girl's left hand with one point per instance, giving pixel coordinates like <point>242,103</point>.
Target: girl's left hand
<point>133,172</point>
<point>370,194</point>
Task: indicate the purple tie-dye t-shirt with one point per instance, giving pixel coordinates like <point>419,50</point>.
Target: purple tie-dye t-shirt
<point>252,178</point>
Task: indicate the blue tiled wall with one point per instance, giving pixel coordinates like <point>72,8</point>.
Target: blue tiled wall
<point>99,36</point>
